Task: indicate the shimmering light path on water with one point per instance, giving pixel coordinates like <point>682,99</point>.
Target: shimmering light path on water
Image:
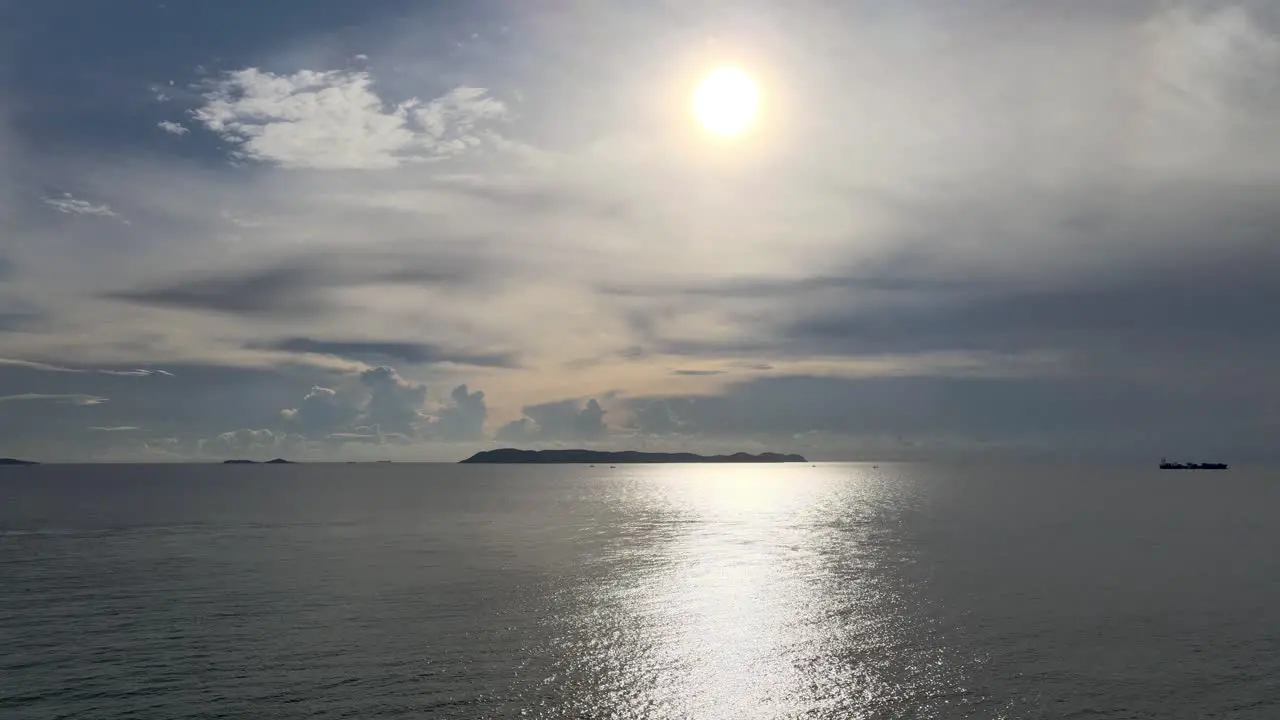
<point>837,591</point>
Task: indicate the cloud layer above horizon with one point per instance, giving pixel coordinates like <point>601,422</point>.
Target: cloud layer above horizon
<point>389,229</point>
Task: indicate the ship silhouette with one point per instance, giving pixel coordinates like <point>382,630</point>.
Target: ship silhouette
<point>1166,465</point>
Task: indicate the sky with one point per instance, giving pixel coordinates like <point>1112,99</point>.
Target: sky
<point>332,230</point>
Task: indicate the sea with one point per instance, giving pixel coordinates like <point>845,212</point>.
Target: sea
<point>827,591</point>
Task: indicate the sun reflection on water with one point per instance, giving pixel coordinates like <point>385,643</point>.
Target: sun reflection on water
<point>753,591</point>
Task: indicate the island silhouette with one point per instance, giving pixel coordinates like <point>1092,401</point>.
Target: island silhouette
<point>16,461</point>
<point>277,461</point>
<point>514,456</point>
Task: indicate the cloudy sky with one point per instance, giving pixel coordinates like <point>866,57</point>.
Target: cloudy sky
<point>328,229</point>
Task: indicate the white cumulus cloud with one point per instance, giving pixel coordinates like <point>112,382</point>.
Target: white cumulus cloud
<point>173,128</point>
<point>336,120</point>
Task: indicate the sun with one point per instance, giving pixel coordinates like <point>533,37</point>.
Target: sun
<point>726,102</point>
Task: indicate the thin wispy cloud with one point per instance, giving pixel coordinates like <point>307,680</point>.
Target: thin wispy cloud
<point>70,205</point>
<point>47,367</point>
<point>32,365</point>
<point>67,399</point>
<point>136,372</point>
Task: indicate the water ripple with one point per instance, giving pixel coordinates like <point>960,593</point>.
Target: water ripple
<point>656,592</point>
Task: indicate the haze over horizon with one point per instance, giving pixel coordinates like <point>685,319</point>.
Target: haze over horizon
<point>914,229</point>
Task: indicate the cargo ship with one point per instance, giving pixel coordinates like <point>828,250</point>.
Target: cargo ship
<point>1166,465</point>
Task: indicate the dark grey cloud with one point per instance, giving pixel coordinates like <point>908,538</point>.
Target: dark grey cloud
<point>16,312</point>
<point>395,404</point>
<point>517,431</point>
<point>381,406</point>
<point>564,420</point>
<point>1167,280</point>
<point>656,417</point>
<point>417,353</point>
<point>17,321</point>
<point>298,287</point>
<point>83,415</point>
<point>697,373</point>
<point>1074,417</point>
<point>320,412</point>
<point>196,402</point>
<point>270,291</point>
<point>1164,307</point>
<point>884,275</point>
<point>463,418</point>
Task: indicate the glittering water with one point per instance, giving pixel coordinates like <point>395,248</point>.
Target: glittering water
<point>837,591</point>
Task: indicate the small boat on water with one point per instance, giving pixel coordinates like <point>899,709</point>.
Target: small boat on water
<point>1166,465</point>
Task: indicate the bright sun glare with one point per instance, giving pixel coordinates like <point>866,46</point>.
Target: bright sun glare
<point>725,102</point>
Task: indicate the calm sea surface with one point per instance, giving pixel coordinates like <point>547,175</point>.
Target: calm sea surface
<point>441,591</point>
